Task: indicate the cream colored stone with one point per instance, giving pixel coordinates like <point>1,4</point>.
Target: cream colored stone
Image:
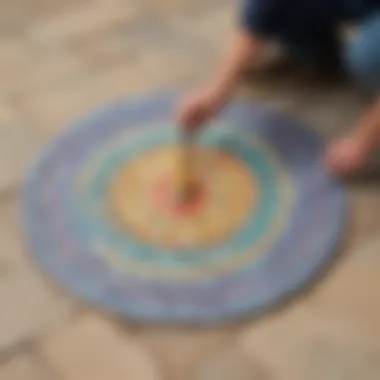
<point>11,222</point>
<point>14,14</point>
<point>212,29</point>
<point>18,144</point>
<point>364,220</point>
<point>29,307</point>
<point>48,68</point>
<point>180,351</point>
<point>23,367</point>
<point>218,25</point>
<point>15,60</point>
<point>231,363</point>
<point>51,109</point>
<point>15,51</point>
<point>170,8</point>
<point>305,343</point>
<point>156,49</point>
<point>93,349</point>
<point>350,293</point>
<point>174,64</point>
<point>12,255</point>
<point>206,33</point>
<point>44,8</point>
<point>107,47</point>
<point>25,69</point>
<point>84,19</point>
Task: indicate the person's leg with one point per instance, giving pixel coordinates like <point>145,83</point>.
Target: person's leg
<point>319,51</point>
<point>362,56</point>
<point>363,63</point>
<point>320,46</point>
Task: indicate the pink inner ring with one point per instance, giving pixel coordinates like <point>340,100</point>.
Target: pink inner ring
<point>164,198</point>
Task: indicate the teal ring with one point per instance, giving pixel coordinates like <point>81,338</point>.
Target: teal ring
<point>99,226</point>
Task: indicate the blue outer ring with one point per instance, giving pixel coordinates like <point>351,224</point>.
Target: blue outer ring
<point>303,250</point>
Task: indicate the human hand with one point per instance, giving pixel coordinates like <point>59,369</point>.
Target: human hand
<point>200,107</point>
<point>348,155</point>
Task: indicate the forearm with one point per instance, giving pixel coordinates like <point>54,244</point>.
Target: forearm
<point>244,50</point>
<point>372,118</point>
<point>370,124</point>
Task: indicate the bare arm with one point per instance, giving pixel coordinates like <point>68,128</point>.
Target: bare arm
<point>368,130</point>
<point>243,51</point>
<point>205,104</point>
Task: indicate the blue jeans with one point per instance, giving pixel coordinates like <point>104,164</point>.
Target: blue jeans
<point>362,56</point>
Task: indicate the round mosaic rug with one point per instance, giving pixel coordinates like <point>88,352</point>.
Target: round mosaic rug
<point>101,218</point>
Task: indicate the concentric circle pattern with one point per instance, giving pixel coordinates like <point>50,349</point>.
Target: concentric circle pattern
<point>143,197</point>
<point>103,217</point>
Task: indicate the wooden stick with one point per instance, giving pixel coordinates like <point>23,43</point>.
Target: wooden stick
<point>185,180</point>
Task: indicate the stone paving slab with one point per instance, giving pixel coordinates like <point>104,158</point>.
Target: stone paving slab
<point>365,220</point>
<point>86,18</point>
<point>230,362</point>
<point>350,293</point>
<point>15,58</point>
<point>18,145</point>
<point>14,15</point>
<point>47,8</point>
<point>53,109</point>
<point>27,68</point>
<point>332,334</point>
<point>24,367</point>
<point>116,44</point>
<point>30,307</point>
<point>94,349</point>
<point>180,350</point>
<point>306,344</point>
<point>210,29</point>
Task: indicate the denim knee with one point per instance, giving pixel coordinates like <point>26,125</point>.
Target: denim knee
<point>363,55</point>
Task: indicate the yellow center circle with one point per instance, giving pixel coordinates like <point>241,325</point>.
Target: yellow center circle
<point>141,197</point>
